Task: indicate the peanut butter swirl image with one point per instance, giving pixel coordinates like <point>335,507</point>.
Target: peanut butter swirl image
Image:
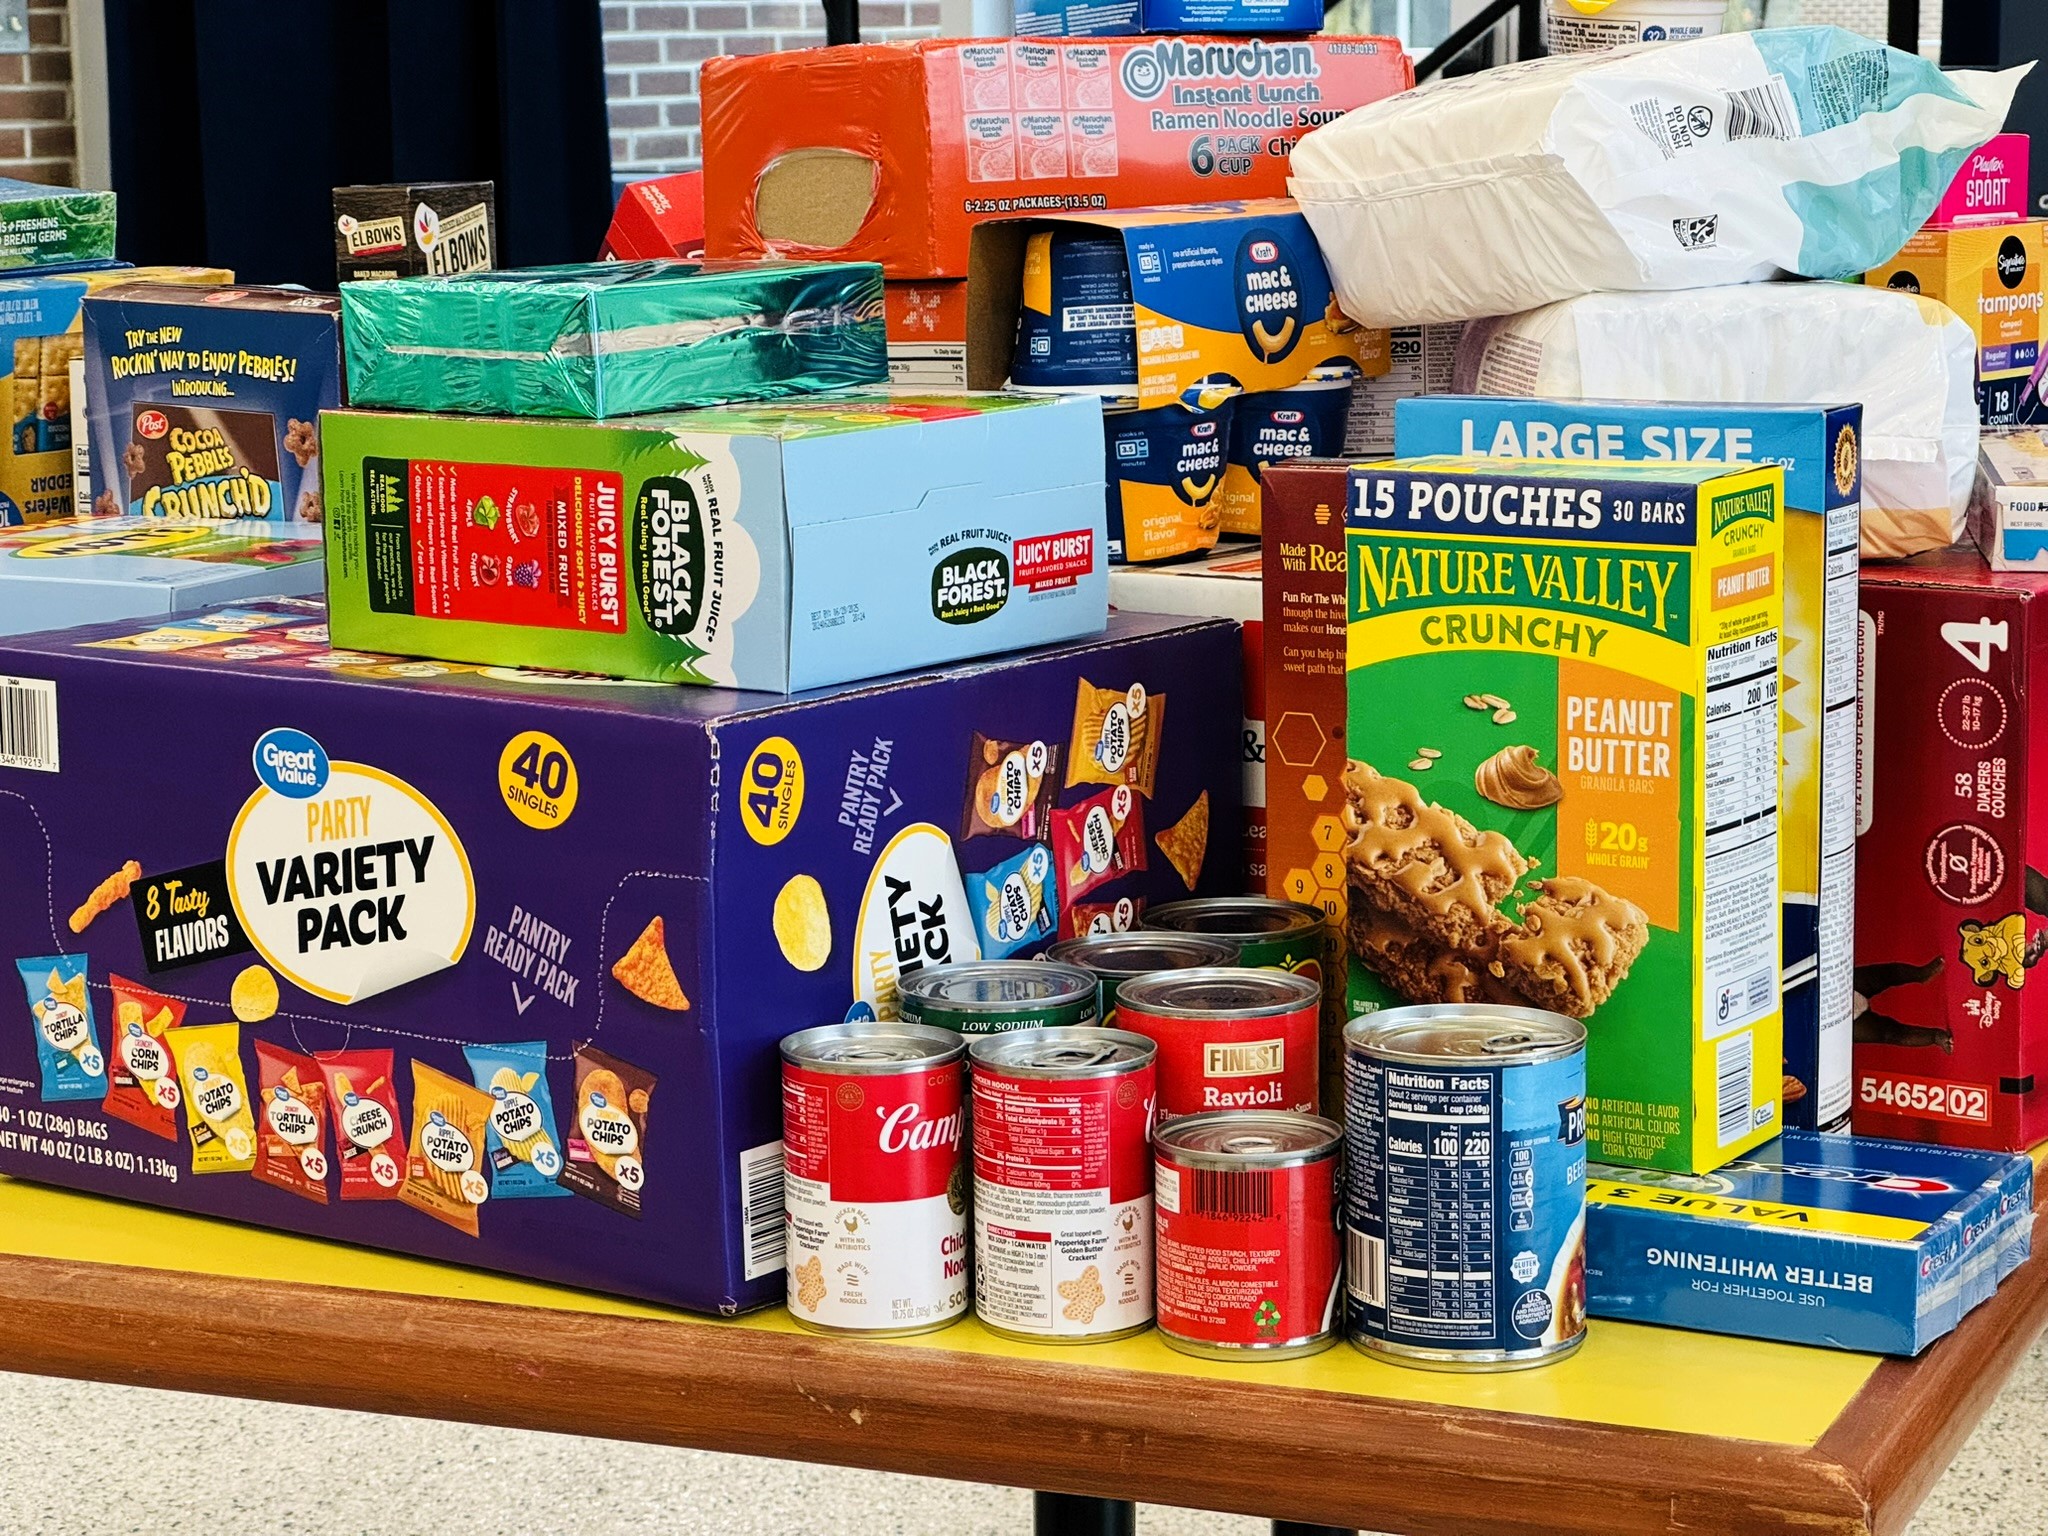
<point>1513,778</point>
<point>1573,946</point>
<point>1424,864</point>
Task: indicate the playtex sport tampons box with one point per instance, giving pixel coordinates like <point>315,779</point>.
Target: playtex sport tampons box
<point>778,546</point>
<point>1562,786</point>
<point>1820,451</point>
<point>66,572</point>
<point>206,405</point>
<point>478,965</point>
<point>1851,1243</point>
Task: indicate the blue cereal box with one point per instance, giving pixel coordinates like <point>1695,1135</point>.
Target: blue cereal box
<point>785,546</point>
<point>1820,449</point>
<point>71,571</point>
<point>1842,1241</point>
<point>602,904</point>
<point>1125,18</point>
<point>202,407</point>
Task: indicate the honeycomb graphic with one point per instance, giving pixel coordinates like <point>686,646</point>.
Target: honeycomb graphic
<point>1322,883</point>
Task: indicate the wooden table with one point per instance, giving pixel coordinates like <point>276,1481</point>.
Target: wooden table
<point>1644,1430</point>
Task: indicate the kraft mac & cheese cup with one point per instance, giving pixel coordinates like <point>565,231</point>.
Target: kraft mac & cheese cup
<point>1165,478</point>
<point>1305,422</point>
<point>1074,327</point>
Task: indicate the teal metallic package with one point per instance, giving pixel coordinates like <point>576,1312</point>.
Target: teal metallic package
<point>54,226</point>
<point>521,1143</point>
<point>1842,1241</point>
<point>614,338</point>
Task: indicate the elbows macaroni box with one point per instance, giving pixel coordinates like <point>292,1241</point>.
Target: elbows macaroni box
<point>72,571</point>
<point>1951,1032</point>
<point>1561,787</point>
<point>781,547</point>
<point>205,406</point>
<point>1820,449</point>
<point>425,229</point>
<point>445,941</point>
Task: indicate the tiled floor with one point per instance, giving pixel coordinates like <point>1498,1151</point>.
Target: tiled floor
<point>79,1460</point>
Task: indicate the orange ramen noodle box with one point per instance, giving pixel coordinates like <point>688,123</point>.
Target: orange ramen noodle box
<point>1562,780</point>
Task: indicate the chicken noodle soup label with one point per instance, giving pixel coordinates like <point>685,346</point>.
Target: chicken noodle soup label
<point>347,880</point>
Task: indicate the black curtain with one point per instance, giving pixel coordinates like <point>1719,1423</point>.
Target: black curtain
<point>232,121</point>
<point>1991,34</point>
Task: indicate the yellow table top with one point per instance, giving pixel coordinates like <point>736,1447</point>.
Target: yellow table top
<point>1627,1375</point>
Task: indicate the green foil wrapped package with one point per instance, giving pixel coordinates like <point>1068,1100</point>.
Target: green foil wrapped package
<point>613,338</point>
<point>53,226</point>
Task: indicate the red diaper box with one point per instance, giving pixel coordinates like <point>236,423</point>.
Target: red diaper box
<point>1952,855</point>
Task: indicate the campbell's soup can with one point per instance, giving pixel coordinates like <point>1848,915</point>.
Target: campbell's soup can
<point>1075,324</point>
<point>875,1181</point>
<point>1249,1258</point>
<point>1465,1196</point>
<point>1115,958</point>
<point>1063,1183</point>
<point>987,997</point>
<point>1228,1039</point>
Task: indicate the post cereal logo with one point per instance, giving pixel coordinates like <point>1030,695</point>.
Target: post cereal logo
<point>152,425</point>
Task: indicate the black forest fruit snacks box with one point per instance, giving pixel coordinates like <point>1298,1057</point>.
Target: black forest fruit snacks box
<point>206,406</point>
<point>422,946</point>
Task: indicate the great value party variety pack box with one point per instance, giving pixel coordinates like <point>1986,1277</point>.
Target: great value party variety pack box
<point>68,571</point>
<point>781,546</point>
<point>489,966</point>
<point>1820,450</point>
<point>1561,775</point>
<point>1951,1028</point>
<point>206,405</point>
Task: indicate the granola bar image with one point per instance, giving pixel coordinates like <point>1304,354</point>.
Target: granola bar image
<point>1415,969</point>
<point>1425,865</point>
<point>1573,946</point>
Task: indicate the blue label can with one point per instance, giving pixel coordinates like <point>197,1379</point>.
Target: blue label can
<point>1075,324</point>
<point>1465,1196</point>
<point>1164,479</point>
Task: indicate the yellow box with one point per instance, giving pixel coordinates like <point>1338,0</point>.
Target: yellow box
<point>1991,276</point>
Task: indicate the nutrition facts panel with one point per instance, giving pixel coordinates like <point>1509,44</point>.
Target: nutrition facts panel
<point>1441,1203</point>
<point>1740,902</point>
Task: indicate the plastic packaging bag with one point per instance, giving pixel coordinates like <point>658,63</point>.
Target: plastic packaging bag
<point>1909,361</point>
<point>1807,150</point>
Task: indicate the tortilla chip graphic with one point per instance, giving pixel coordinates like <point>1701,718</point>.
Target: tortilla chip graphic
<point>1186,842</point>
<point>645,971</point>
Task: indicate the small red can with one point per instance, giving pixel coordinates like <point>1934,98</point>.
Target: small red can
<point>1228,1039</point>
<point>1249,1261</point>
<point>1063,1183</point>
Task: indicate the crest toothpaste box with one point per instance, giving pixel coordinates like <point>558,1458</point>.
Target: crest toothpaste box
<point>784,546</point>
<point>1839,1241</point>
<point>1820,449</point>
<point>509,922</point>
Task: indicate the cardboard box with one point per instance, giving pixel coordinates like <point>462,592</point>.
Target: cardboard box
<point>65,572</point>
<point>1819,448</point>
<point>1991,188</point>
<point>927,323</point>
<point>656,219</point>
<point>614,338</point>
<point>1224,586</point>
<point>1991,276</point>
<point>206,405</point>
<point>1867,1245</point>
<point>1420,362</point>
<point>1129,18</point>
<point>428,858</point>
<point>422,229</point>
<point>923,141</point>
<point>784,547</point>
<point>2009,512</point>
<point>44,226</point>
<point>40,336</point>
<point>1562,781</point>
<point>1951,1047</point>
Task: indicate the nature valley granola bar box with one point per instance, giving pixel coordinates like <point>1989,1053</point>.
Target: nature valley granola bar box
<point>1562,777</point>
<point>448,938</point>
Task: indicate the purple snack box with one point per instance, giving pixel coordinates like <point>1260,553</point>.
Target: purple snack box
<point>428,855</point>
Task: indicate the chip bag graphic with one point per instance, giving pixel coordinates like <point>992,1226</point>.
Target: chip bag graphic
<point>290,1150</point>
<point>1013,905</point>
<point>1116,736</point>
<point>67,1045</point>
<point>521,1144</point>
<point>1096,840</point>
<point>444,1172</point>
<point>608,1142</point>
<point>142,1079</point>
<point>216,1092</point>
<point>368,1135</point>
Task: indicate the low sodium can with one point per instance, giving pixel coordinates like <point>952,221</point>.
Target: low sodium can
<point>1116,958</point>
<point>987,997</point>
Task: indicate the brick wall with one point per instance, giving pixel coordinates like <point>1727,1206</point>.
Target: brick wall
<point>652,50</point>
<point>38,139</point>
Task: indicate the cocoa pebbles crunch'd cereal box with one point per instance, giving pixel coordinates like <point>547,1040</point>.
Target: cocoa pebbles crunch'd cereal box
<point>1563,777</point>
<point>470,962</point>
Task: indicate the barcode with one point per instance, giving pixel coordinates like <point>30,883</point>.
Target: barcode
<point>1764,111</point>
<point>1366,1258</point>
<point>1233,1193</point>
<point>28,723</point>
<point>1731,1086</point>
<point>764,1227</point>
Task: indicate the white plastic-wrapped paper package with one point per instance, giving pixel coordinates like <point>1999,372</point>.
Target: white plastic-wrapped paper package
<point>1910,362</point>
<point>1806,150</point>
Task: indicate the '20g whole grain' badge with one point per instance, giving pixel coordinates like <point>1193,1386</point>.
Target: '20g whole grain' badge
<point>346,879</point>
